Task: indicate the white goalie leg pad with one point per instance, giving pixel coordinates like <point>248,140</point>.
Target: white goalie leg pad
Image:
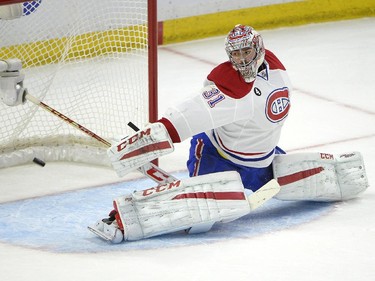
<point>320,176</point>
<point>196,203</point>
<point>144,146</point>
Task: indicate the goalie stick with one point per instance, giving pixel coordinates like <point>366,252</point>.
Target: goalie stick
<point>263,194</point>
<point>150,170</point>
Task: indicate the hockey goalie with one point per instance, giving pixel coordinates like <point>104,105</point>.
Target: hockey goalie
<point>234,124</point>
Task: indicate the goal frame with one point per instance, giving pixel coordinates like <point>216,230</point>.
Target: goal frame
<point>151,76</point>
<point>152,36</point>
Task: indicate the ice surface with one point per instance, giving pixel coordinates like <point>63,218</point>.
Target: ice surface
<point>333,110</point>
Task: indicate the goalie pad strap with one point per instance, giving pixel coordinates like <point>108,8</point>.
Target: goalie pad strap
<point>196,203</point>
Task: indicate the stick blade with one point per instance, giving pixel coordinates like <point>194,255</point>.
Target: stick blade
<point>263,194</point>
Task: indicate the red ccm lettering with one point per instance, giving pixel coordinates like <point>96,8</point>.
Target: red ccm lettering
<point>133,139</point>
<point>326,156</point>
<point>161,188</point>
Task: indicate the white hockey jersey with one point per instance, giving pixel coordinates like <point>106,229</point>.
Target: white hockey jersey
<point>243,120</point>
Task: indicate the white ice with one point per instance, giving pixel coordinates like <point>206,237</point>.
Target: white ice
<point>333,110</point>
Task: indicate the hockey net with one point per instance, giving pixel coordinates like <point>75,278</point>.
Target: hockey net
<point>89,60</point>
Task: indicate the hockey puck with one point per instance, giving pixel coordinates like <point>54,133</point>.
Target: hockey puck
<point>39,162</point>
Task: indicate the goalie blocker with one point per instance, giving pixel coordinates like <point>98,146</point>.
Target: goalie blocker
<point>135,151</point>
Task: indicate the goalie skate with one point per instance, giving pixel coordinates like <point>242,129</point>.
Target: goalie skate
<point>108,232</point>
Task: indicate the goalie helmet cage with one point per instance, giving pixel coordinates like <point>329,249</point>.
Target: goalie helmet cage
<point>94,61</point>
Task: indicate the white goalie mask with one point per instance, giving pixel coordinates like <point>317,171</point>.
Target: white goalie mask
<point>245,49</point>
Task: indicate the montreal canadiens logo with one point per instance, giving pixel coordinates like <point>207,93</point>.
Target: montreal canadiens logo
<point>278,105</point>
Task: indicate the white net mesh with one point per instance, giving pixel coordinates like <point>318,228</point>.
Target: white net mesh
<point>86,59</point>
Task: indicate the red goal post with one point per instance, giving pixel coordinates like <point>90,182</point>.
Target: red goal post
<point>94,61</point>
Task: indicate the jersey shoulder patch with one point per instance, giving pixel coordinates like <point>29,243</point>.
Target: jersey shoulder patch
<point>273,61</point>
<point>229,81</point>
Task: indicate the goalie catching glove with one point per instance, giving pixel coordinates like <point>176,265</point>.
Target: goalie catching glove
<point>12,92</point>
<point>146,145</point>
